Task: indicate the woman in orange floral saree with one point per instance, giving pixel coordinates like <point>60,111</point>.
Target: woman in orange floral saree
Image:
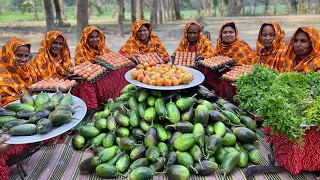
<point>53,57</point>
<point>303,53</point>
<point>229,44</point>
<point>143,41</point>
<point>270,45</point>
<point>15,73</point>
<point>91,45</point>
<point>194,41</point>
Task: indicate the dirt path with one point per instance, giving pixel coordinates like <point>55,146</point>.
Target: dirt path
<point>170,34</point>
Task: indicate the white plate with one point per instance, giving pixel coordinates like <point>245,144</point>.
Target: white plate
<point>198,79</point>
<point>56,130</point>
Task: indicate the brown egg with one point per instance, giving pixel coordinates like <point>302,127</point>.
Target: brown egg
<point>45,85</point>
<point>33,86</point>
<point>52,86</point>
<point>90,78</point>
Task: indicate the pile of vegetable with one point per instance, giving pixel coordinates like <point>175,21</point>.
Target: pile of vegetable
<point>88,71</point>
<point>36,115</point>
<point>237,71</point>
<point>216,61</point>
<point>149,57</point>
<point>115,60</point>
<point>285,101</point>
<point>185,59</point>
<point>145,132</point>
<point>162,75</point>
<point>52,84</point>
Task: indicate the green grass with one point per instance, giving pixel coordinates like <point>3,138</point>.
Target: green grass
<point>186,14</point>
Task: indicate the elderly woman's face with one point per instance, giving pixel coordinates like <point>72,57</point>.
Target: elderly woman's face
<point>21,55</point>
<point>267,35</point>
<point>143,34</point>
<point>193,33</point>
<point>94,39</point>
<point>301,44</point>
<point>228,35</point>
<point>57,46</point>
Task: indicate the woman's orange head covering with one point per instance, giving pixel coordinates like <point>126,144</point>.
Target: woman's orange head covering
<point>204,45</point>
<point>278,47</point>
<point>134,46</point>
<point>13,78</point>
<point>84,52</point>
<point>289,62</point>
<point>238,50</point>
<point>8,58</point>
<point>49,66</point>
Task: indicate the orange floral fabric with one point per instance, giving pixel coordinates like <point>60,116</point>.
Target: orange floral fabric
<point>48,66</point>
<point>288,61</point>
<point>238,50</point>
<point>13,78</point>
<point>84,52</point>
<point>204,45</point>
<point>134,46</point>
<point>278,48</point>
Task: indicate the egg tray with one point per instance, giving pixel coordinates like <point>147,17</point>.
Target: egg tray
<point>98,77</point>
<point>228,80</point>
<point>47,90</point>
<point>219,67</point>
<point>108,66</point>
<point>76,77</point>
<point>162,61</point>
<point>196,64</point>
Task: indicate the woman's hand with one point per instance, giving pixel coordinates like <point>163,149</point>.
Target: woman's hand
<point>4,147</point>
<point>133,58</point>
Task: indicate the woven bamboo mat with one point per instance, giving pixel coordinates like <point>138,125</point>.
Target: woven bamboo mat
<point>60,161</point>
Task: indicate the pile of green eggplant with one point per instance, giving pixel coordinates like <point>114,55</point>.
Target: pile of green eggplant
<point>36,115</point>
<point>145,132</point>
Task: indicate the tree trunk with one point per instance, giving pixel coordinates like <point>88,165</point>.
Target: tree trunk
<point>254,7</point>
<point>266,7</point>
<point>294,6</point>
<point>124,10</point>
<point>140,9</point>
<point>287,7</point>
<point>63,13</point>
<point>163,12</point>
<point>160,12</point>
<point>120,17</point>
<point>173,15</point>
<point>316,8</point>
<point>205,7</point>
<point>177,9</point>
<point>198,9</point>
<point>59,21</point>
<point>48,15</point>
<point>243,11</point>
<point>114,9</point>
<point>153,11</point>
<point>82,16</point>
<point>168,5</point>
<point>210,8</point>
<point>303,6</point>
<point>221,8</point>
<point>35,13</point>
<point>250,9</point>
<point>133,11</point>
<point>275,7</point>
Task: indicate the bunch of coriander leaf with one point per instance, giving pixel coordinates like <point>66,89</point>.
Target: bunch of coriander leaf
<point>284,101</point>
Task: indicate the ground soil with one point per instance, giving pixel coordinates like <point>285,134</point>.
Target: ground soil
<point>169,33</point>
